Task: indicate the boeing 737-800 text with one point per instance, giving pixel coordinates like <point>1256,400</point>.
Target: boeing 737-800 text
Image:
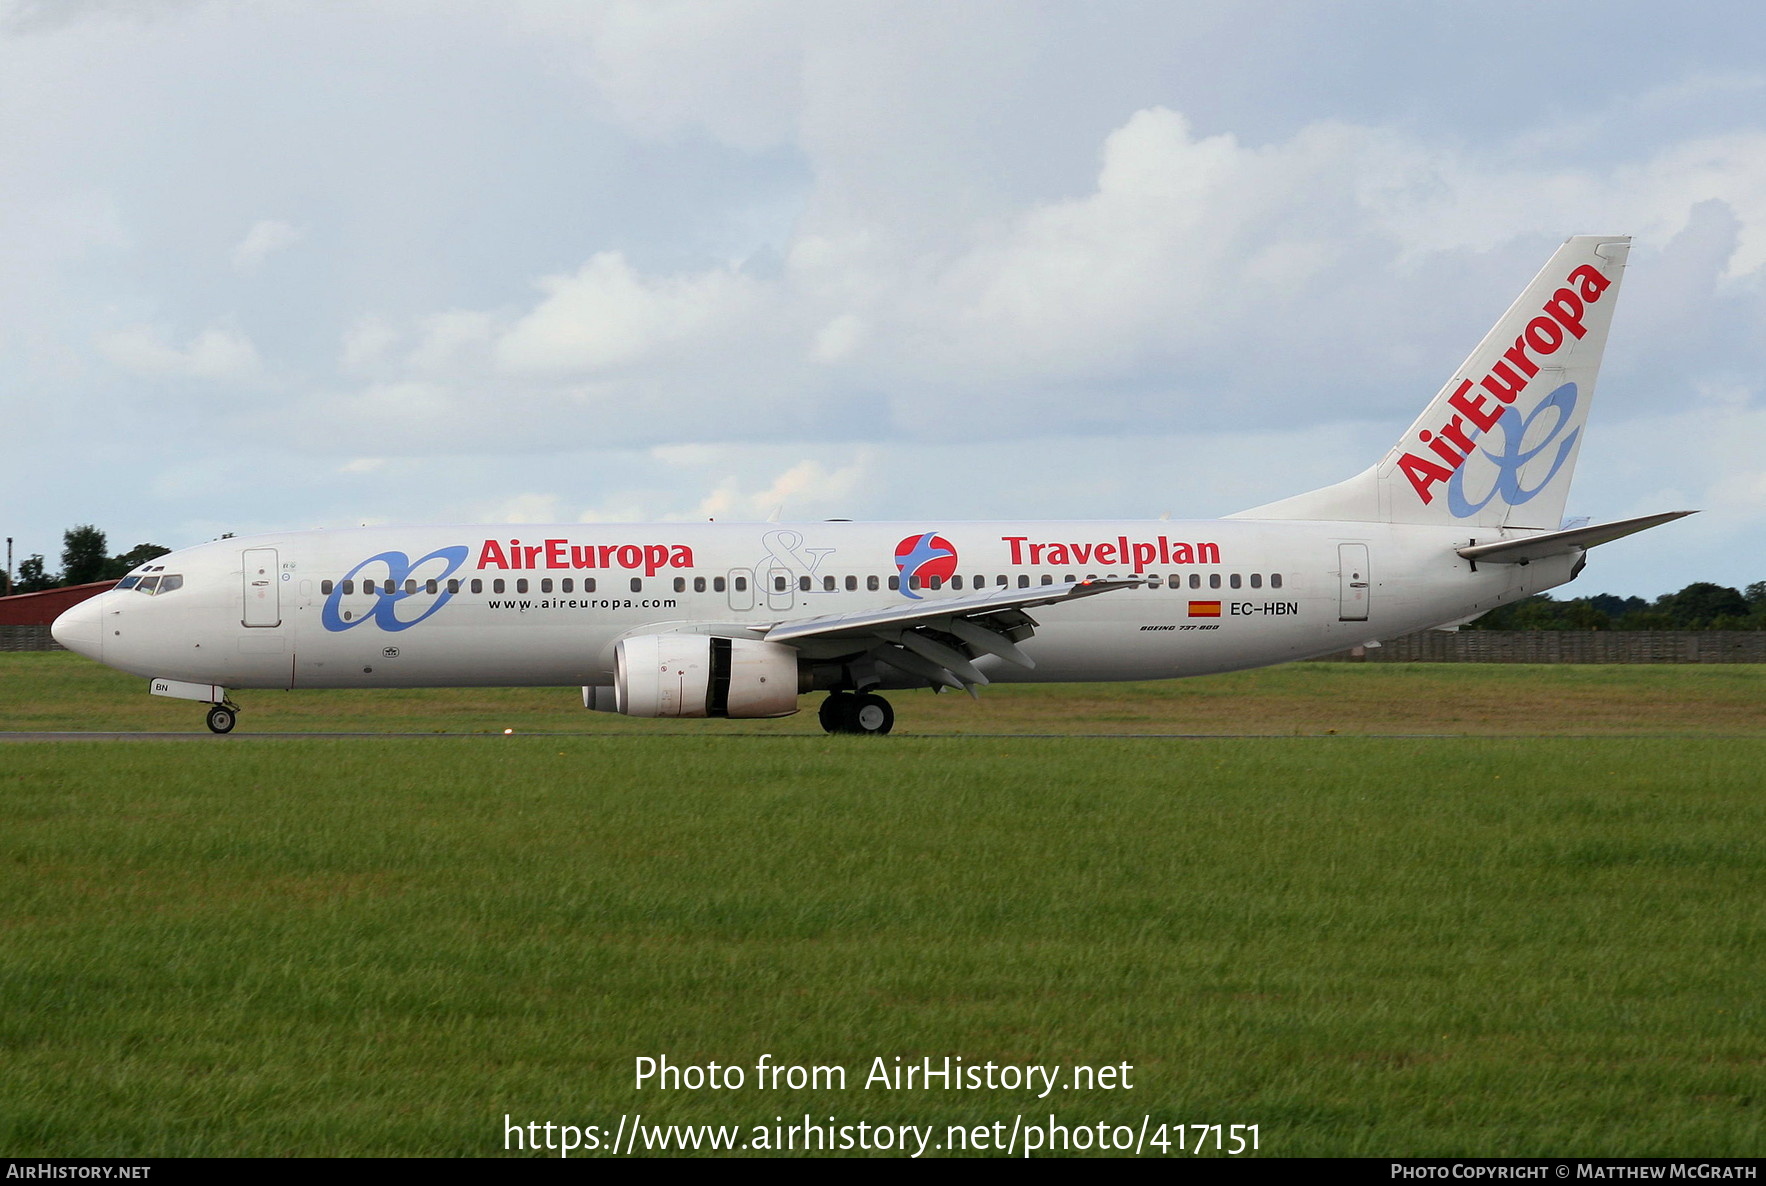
<point>1463,514</point>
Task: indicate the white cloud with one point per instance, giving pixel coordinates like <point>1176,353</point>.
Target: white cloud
<point>215,354</point>
<point>453,340</point>
<point>367,344</point>
<point>520,508</point>
<point>808,489</point>
<point>607,315</point>
<point>263,240</point>
<point>663,67</point>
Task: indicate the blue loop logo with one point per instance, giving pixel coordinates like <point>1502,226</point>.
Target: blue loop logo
<point>399,568</point>
<point>1513,459</point>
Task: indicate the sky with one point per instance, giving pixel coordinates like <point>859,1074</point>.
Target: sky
<point>269,266</point>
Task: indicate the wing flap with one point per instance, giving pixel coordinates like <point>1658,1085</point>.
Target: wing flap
<point>939,640</point>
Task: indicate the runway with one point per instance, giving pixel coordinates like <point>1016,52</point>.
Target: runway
<point>223,739</point>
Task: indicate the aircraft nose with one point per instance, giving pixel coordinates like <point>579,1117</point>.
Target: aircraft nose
<point>81,629</point>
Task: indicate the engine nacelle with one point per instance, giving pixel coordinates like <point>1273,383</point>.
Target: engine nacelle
<point>700,675</point>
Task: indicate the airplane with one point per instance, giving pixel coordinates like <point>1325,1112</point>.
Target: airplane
<point>738,620</point>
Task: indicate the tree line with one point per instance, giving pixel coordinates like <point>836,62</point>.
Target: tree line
<point>85,557</point>
<point>1700,606</point>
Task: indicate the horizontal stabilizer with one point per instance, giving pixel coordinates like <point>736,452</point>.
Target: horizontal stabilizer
<point>1557,543</point>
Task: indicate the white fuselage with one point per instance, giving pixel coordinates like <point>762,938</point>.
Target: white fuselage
<point>546,605</point>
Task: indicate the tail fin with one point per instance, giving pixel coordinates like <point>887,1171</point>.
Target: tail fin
<point>1497,445</point>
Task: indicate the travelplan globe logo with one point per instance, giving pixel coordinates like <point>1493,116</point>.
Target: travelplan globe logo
<point>924,557</point>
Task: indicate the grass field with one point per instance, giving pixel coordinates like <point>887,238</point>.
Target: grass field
<point>60,691</point>
<point>1365,945</point>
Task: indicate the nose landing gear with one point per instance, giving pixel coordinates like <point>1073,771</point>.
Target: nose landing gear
<point>857,712</point>
<point>222,718</point>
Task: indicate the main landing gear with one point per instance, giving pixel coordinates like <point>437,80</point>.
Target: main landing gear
<point>857,712</point>
<point>222,718</point>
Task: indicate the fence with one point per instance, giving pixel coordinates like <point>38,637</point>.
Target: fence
<point>27,638</point>
<point>1565,646</point>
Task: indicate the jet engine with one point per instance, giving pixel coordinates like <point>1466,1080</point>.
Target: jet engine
<point>699,675</point>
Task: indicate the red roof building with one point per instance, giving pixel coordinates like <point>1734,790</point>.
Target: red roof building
<point>41,609</point>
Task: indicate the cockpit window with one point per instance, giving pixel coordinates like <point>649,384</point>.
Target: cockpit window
<point>127,582</point>
<point>153,586</point>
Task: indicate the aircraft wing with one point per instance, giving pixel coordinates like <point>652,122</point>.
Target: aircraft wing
<point>938,641</point>
<point>1556,543</point>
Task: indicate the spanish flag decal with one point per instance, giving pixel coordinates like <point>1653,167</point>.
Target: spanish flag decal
<point>1204,609</point>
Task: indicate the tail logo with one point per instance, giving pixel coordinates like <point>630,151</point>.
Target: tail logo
<point>923,557</point>
<point>1560,323</point>
<point>1516,454</point>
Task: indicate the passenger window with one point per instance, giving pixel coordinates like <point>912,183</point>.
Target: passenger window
<point>477,585</point>
<point>588,584</point>
<point>324,586</point>
<point>1153,580</point>
<point>454,585</point>
<point>698,584</point>
<point>894,584</point>
<point>431,587</point>
<point>956,582</point>
<point>1214,580</point>
<point>828,584</point>
<point>497,585</point>
<point>803,584</point>
<point>1257,580</point>
<point>913,582</point>
<point>521,585</point>
<point>1233,580</point>
<point>1024,580</point>
<point>1275,580</point>
<point>637,585</point>
<point>852,584</point>
<point>778,584</point>
<point>567,585</point>
<point>872,584</point>
<point>1071,578</point>
<point>1048,578</point>
<point>741,584</point>
<point>680,584</point>
<point>717,585</point>
<point>1195,580</point>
